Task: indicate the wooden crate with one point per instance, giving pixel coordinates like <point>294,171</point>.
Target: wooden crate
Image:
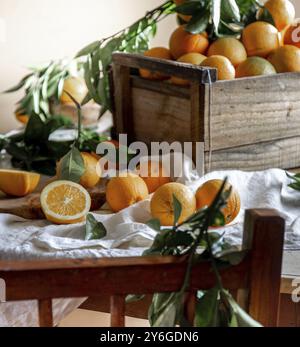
<point>246,124</point>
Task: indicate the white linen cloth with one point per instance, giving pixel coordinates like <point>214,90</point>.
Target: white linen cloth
<point>129,236</point>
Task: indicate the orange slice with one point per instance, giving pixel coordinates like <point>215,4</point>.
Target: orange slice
<point>65,202</point>
<point>18,183</point>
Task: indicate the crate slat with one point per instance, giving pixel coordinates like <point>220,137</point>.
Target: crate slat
<point>283,154</point>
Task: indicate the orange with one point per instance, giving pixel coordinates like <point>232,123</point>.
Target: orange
<point>207,193</point>
<point>260,39</point>
<point>182,16</point>
<point>190,58</point>
<point>125,190</point>
<point>286,59</point>
<point>292,35</point>
<point>155,177</point>
<point>90,177</point>
<point>162,206</point>
<point>282,11</point>
<point>22,118</point>
<point>65,202</point>
<point>255,66</point>
<point>157,52</point>
<point>183,42</point>
<point>76,87</point>
<point>18,183</point>
<point>226,70</point>
<point>230,48</point>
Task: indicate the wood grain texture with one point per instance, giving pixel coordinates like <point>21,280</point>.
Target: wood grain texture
<point>284,154</point>
<point>253,110</point>
<point>264,235</point>
<point>289,312</point>
<point>117,311</point>
<point>169,119</point>
<point>45,313</point>
<point>123,99</point>
<point>120,279</point>
<point>168,67</point>
<point>164,87</point>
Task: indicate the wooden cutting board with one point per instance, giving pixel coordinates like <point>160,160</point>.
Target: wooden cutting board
<point>29,207</point>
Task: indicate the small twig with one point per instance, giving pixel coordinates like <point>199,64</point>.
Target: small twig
<point>79,119</point>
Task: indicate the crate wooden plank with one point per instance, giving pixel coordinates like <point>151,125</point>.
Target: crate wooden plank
<point>253,110</point>
<point>168,67</point>
<point>283,153</point>
<point>158,117</point>
<point>164,87</point>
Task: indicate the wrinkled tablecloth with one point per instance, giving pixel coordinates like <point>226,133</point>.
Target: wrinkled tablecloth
<point>129,236</point>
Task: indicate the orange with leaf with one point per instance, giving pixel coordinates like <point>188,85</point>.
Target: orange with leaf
<point>207,193</point>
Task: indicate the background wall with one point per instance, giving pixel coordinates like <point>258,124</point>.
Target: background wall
<point>40,30</point>
<point>36,31</point>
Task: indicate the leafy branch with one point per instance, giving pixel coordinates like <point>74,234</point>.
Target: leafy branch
<point>45,84</point>
<point>220,17</point>
<point>98,55</point>
<point>215,307</point>
<point>41,86</point>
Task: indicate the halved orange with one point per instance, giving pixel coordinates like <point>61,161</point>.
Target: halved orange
<point>65,202</point>
<point>18,183</point>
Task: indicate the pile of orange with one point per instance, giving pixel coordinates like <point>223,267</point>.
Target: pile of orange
<point>162,203</point>
<point>262,49</point>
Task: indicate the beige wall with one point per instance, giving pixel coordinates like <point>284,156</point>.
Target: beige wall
<point>40,30</point>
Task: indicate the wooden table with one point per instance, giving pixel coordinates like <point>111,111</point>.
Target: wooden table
<point>290,311</point>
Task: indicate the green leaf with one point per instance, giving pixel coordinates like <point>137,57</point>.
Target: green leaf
<point>36,101</point>
<point>88,49</point>
<point>295,186</point>
<point>72,166</point>
<point>94,230</point>
<point>20,85</point>
<point>234,258</point>
<point>216,13</point>
<point>163,309</point>
<point>154,224</point>
<point>265,16</point>
<point>206,314</point>
<point>167,318</point>
<point>34,129</point>
<point>240,317</point>
<point>230,10</point>
<point>219,220</point>
<point>89,80</point>
<point>177,209</point>
<point>198,23</point>
<point>189,8</point>
<point>134,298</point>
<point>179,239</point>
